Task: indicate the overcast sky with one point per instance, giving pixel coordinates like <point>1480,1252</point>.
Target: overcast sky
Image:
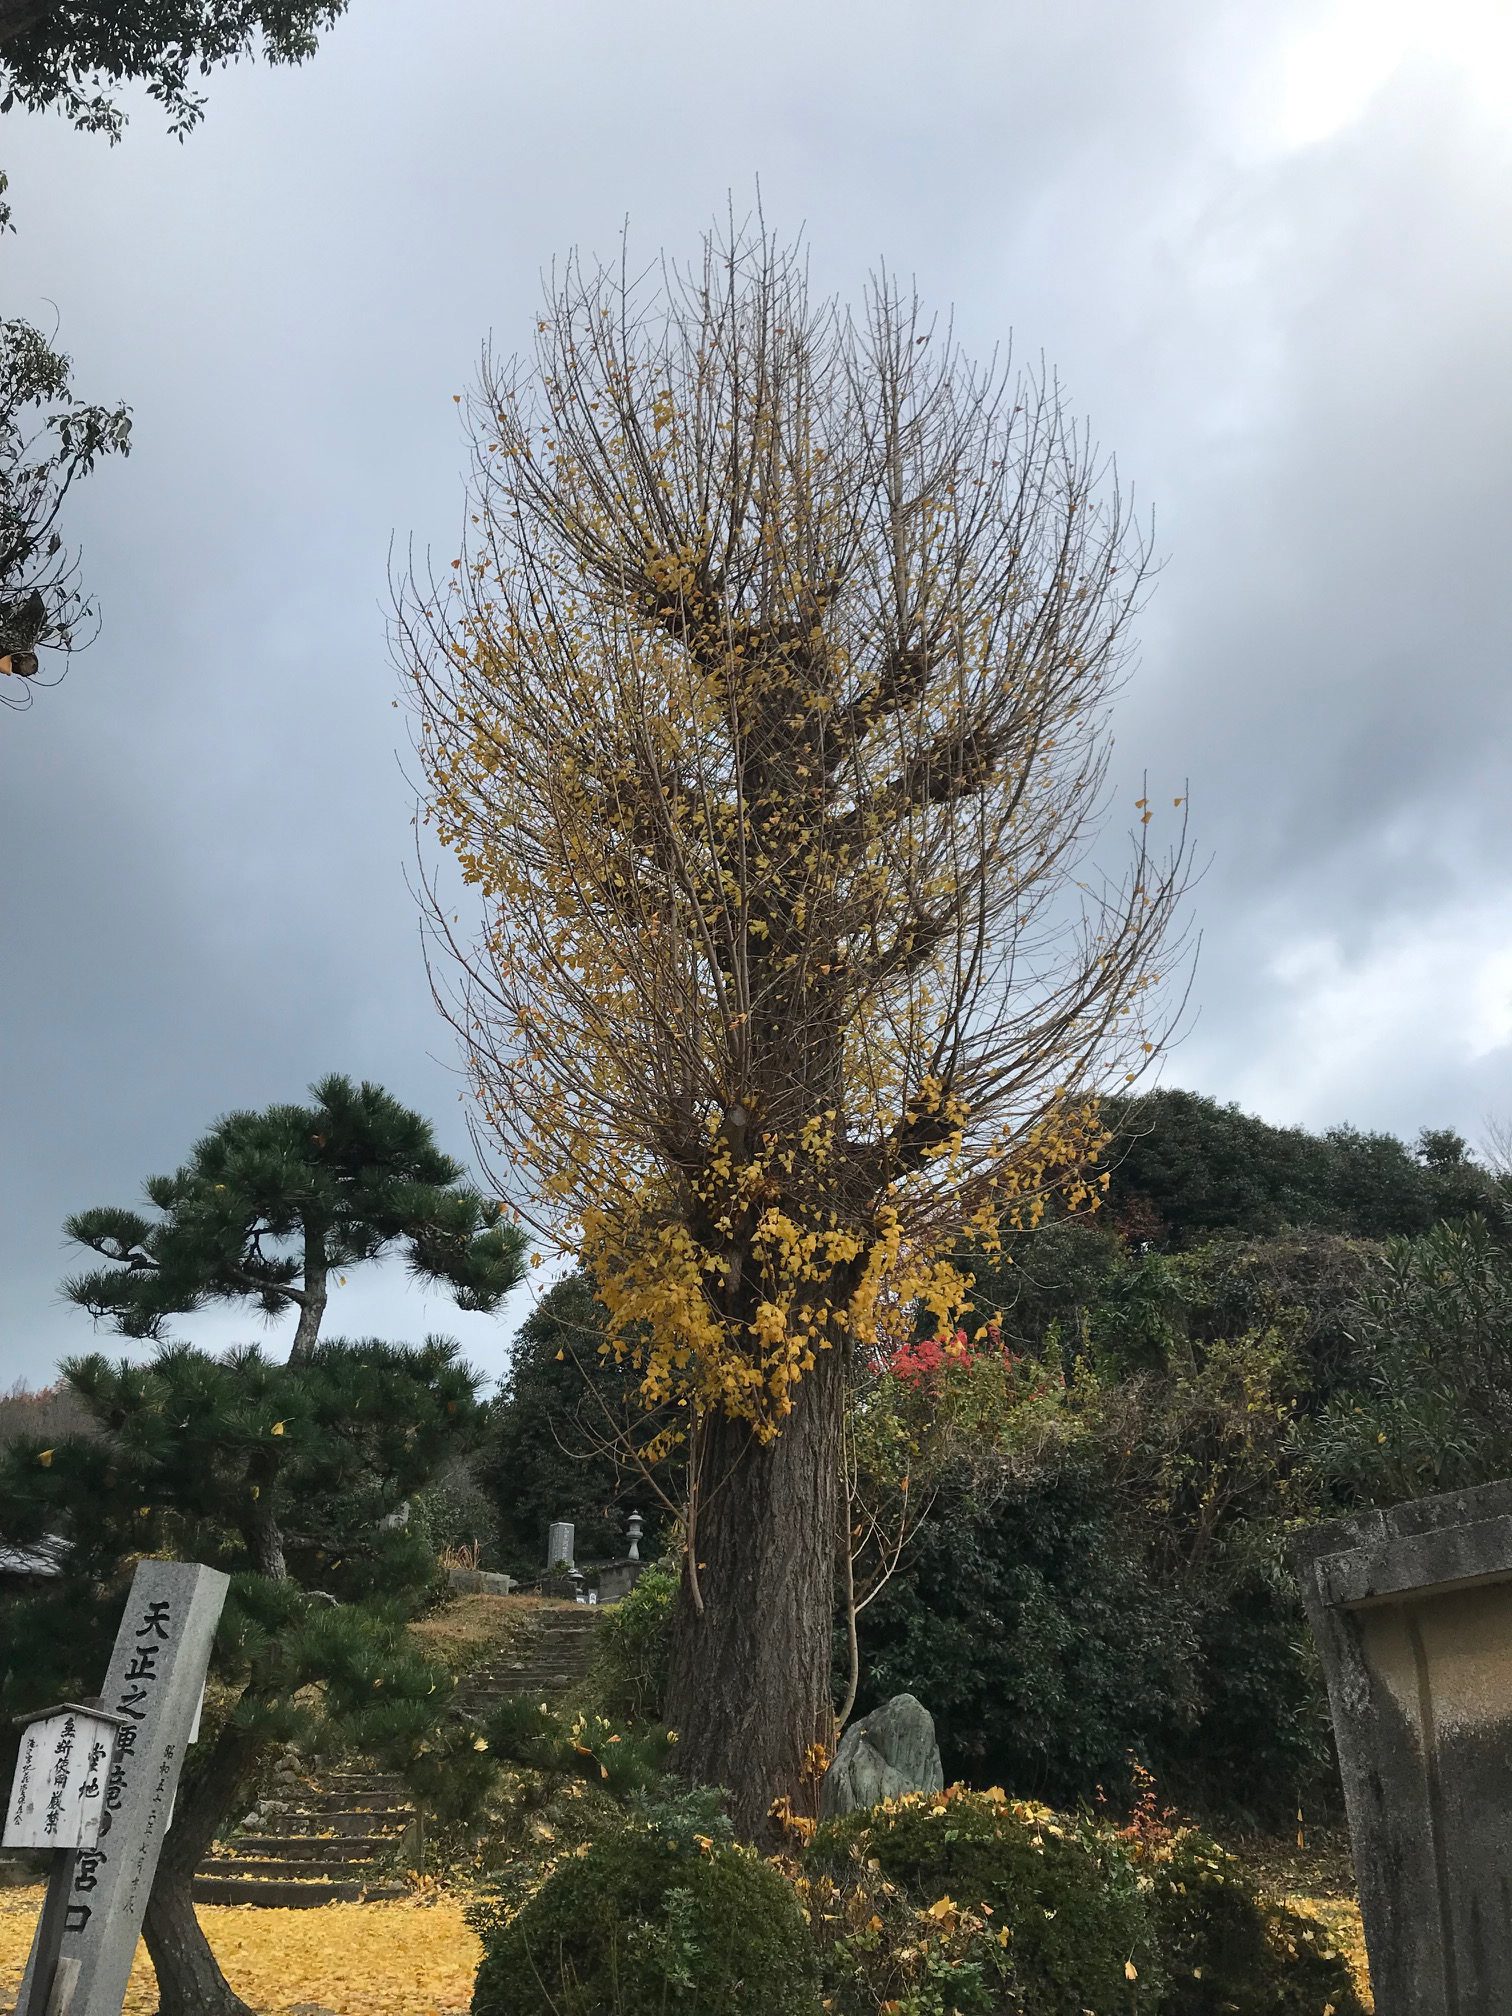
<point>1266,247</point>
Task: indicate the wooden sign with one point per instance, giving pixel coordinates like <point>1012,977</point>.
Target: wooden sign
<point>82,1955</point>
<point>57,1795</point>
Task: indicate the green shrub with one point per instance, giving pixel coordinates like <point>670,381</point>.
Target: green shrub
<point>1045,1643</point>
<point>455,1513</point>
<point>1226,1952</point>
<point>640,1927</point>
<point>878,1950</point>
<point>1069,1899</point>
<point>630,1648</point>
<point>538,1738</point>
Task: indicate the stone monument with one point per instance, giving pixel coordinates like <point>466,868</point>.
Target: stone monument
<point>1412,1613</point>
<point>152,1696</point>
<point>890,1752</point>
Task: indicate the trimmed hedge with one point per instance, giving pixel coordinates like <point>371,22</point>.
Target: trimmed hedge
<point>1079,1929</point>
<point>641,1927</point>
<point>1095,1920</point>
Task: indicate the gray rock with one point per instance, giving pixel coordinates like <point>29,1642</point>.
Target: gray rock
<point>479,1582</point>
<point>890,1752</point>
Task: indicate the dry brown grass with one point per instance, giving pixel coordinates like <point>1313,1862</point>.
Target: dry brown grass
<point>469,1629</point>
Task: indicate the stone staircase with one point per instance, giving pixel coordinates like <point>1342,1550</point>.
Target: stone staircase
<point>554,1663</point>
<point>328,1838</point>
<point>336,1836</point>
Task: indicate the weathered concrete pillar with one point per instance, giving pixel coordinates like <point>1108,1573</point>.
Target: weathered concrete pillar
<point>1412,1612</point>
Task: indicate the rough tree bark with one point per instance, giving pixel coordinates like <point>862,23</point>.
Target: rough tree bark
<point>750,1674</point>
<point>312,1300</point>
<point>190,1982</point>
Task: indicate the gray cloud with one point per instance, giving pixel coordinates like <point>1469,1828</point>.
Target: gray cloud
<point>1282,298</point>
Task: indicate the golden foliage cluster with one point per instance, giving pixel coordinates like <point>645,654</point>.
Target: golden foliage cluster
<point>765,712</point>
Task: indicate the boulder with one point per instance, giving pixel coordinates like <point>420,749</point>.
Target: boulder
<point>886,1754</point>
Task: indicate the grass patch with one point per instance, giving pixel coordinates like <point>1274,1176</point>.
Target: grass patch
<point>467,1631</point>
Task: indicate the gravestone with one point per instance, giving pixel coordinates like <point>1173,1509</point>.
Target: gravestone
<point>887,1754</point>
<point>559,1543</point>
<point>154,1687</point>
<point>1412,1613</point>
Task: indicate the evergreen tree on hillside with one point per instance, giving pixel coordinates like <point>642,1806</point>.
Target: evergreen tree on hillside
<point>270,1205</point>
<point>1187,1167</point>
<point>562,1435</point>
<point>287,1477</point>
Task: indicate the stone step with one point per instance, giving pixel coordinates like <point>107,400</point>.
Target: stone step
<point>286,1895</point>
<point>306,1823</point>
<point>342,1799</point>
<point>334,1868</point>
<point>310,1847</point>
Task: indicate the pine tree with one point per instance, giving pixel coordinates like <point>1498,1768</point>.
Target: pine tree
<point>564,1441</point>
<point>271,1204</point>
<point>241,1462</point>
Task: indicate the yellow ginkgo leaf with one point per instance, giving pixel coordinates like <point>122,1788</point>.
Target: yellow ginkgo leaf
<point>941,1907</point>
<point>45,1457</point>
<point>1131,1972</point>
<point>278,1428</point>
<point>257,1490</point>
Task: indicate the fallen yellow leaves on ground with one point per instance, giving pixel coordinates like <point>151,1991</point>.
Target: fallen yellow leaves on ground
<point>389,1959</point>
<point>1340,1916</point>
<point>395,1959</point>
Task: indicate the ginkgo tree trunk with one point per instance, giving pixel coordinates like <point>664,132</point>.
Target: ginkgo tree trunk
<point>766,712</point>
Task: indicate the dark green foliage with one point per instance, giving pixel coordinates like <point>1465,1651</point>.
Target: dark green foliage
<point>48,440</point>
<point>1037,1634</point>
<point>880,1950</point>
<point>457,1515</point>
<point>562,1430</point>
<point>75,53</point>
<point>631,1645</point>
<point>1186,1167</point>
<point>1225,1953</point>
<point>640,1926</point>
<point>1432,1407</point>
<point>1066,1894</point>
<point>1120,1585</point>
<point>271,1204</point>
<point>230,1461</point>
<point>623,1762</point>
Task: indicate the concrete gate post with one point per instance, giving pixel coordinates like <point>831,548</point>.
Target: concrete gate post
<point>1412,1613</point>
